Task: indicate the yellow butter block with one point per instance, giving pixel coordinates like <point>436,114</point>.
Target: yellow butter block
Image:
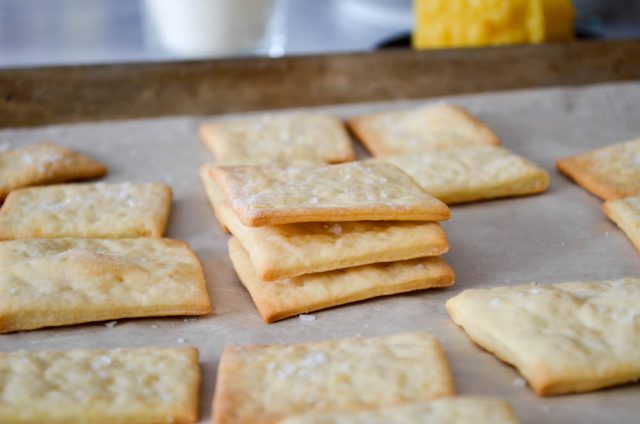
<point>466,23</point>
<point>558,20</point>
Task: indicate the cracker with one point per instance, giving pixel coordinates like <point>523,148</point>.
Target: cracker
<point>349,192</point>
<point>284,298</point>
<point>563,338</point>
<point>265,383</point>
<point>150,385</point>
<point>464,410</point>
<point>290,250</point>
<point>278,137</point>
<point>626,213</point>
<point>472,173</point>
<point>86,210</point>
<point>44,163</point>
<point>610,172</point>
<point>52,282</point>
<point>432,127</point>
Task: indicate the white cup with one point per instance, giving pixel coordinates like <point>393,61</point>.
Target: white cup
<point>209,27</point>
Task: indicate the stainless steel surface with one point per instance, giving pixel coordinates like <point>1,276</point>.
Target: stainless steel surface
<point>561,235</point>
<point>49,32</point>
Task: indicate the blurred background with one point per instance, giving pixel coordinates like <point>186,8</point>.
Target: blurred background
<point>56,32</point>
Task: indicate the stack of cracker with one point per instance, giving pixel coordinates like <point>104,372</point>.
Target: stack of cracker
<point>75,253</point>
<point>308,238</point>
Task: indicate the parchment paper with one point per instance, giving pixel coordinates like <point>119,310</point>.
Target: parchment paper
<point>561,235</point>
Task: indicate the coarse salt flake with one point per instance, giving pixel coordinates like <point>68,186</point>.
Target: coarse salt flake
<point>335,229</point>
<point>102,361</point>
<point>314,359</point>
<point>519,382</point>
<point>287,370</point>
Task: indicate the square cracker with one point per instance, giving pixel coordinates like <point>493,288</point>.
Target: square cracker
<point>86,210</point>
<point>432,127</point>
<point>626,213</point>
<point>610,172</point>
<point>472,173</point>
<point>150,385</point>
<point>462,410</point>
<point>52,282</point>
<point>284,298</point>
<point>290,250</point>
<point>278,137</point>
<point>261,384</point>
<point>44,163</point>
<point>349,192</point>
<point>563,338</point>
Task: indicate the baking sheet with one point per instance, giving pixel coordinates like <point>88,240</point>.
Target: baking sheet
<point>561,235</point>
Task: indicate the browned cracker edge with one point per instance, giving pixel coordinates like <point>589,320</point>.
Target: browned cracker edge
<point>368,139</point>
<point>291,216</point>
<point>269,318</point>
<point>587,181</point>
<point>613,216</point>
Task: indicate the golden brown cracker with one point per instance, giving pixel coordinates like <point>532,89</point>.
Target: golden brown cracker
<point>115,210</point>
<point>44,163</point>
<point>610,172</point>
<point>261,384</point>
<point>53,282</point>
<point>563,338</point>
<point>278,137</point>
<point>133,385</point>
<point>349,192</point>
<point>437,126</point>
